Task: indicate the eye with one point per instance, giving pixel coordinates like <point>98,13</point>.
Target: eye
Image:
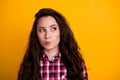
<point>41,30</point>
<point>53,28</point>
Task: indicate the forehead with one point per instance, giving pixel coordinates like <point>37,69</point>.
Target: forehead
<point>46,20</point>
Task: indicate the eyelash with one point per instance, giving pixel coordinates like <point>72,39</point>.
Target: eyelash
<point>53,28</point>
<point>43,30</point>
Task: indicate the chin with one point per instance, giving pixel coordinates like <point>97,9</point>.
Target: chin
<point>48,48</point>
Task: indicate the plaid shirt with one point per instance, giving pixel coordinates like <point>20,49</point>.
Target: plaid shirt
<point>55,69</point>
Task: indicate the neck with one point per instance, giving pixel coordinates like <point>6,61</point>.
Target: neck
<point>51,53</point>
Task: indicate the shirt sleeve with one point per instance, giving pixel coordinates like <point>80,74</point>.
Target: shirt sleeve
<point>85,74</point>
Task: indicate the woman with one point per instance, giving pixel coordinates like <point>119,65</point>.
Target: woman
<point>52,53</point>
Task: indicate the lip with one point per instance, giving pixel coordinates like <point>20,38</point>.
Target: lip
<point>47,43</point>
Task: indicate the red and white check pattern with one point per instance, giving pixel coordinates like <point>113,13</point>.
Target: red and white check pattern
<point>55,69</point>
<point>52,69</point>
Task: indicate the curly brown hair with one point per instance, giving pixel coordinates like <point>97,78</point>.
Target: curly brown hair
<point>70,51</point>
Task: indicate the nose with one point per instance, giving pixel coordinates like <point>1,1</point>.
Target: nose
<point>47,35</point>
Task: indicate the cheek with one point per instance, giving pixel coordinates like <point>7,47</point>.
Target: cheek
<point>40,37</point>
<point>57,37</point>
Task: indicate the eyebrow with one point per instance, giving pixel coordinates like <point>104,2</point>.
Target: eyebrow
<point>53,25</point>
<point>49,26</point>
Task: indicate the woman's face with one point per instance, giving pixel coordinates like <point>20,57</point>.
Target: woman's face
<point>48,33</point>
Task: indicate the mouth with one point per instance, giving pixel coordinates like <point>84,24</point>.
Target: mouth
<point>47,43</point>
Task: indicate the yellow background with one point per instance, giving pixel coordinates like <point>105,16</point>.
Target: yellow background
<point>95,23</point>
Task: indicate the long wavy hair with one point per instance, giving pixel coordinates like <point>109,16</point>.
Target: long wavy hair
<point>70,51</point>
